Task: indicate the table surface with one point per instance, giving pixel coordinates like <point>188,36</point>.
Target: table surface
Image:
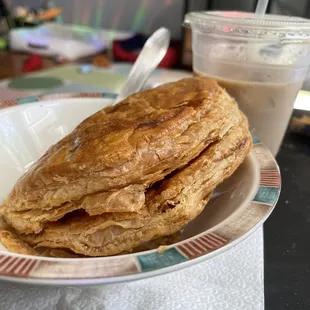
<point>287,231</point>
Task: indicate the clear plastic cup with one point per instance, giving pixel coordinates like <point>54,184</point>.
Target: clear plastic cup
<point>261,62</point>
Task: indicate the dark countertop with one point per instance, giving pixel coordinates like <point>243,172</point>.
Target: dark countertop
<point>287,231</point>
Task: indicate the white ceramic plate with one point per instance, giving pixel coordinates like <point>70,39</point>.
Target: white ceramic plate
<point>240,205</point>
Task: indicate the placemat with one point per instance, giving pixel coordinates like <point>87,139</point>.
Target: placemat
<point>68,78</point>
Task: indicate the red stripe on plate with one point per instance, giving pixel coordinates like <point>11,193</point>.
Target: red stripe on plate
<point>192,248</point>
<point>185,251</point>
<point>201,249</point>
<point>272,184</point>
<point>205,244</point>
<point>95,95</point>
<point>11,268</point>
<point>7,264</point>
<point>20,267</point>
<point>211,244</point>
<point>267,183</point>
<point>29,267</point>
<point>270,178</point>
<point>218,237</point>
<point>215,240</point>
<point>204,248</point>
<point>3,258</point>
<point>6,104</point>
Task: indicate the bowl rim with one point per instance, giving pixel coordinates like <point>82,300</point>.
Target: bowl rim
<point>134,266</point>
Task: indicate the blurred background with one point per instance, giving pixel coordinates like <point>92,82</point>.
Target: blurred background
<point>147,15</point>
<point>74,43</point>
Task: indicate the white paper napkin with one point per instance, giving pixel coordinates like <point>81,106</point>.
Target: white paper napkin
<point>233,281</point>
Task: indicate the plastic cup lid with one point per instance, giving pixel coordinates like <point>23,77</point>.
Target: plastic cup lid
<point>242,24</point>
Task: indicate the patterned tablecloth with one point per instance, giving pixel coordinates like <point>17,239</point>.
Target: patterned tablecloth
<point>70,79</point>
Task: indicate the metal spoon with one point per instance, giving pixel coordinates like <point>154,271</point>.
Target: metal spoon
<point>152,53</point>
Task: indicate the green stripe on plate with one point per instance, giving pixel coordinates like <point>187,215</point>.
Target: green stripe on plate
<point>160,260</point>
<point>256,140</point>
<point>267,195</point>
<point>27,99</point>
<point>108,95</point>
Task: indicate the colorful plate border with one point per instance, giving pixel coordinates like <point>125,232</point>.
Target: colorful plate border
<point>32,99</point>
<point>48,271</point>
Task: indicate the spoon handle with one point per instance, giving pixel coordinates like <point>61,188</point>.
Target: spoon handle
<point>151,55</point>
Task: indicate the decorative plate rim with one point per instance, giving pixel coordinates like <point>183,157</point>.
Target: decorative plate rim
<point>134,266</point>
<point>36,98</point>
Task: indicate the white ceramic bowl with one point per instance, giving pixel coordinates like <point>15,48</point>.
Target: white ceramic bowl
<point>239,206</point>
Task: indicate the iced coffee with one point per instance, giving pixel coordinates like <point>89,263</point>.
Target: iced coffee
<point>261,63</point>
<point>267,105</point>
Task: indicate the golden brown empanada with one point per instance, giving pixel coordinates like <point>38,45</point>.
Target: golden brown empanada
<point>170,205</point>
<point>135,143</point>
<point>131,173</point>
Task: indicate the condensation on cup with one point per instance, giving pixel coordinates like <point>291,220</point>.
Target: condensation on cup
<point>262,63</point>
